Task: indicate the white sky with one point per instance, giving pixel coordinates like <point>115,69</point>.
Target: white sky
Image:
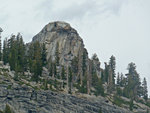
<point>108,27</point>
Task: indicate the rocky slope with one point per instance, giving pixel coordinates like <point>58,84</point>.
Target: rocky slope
<point>22,98</point>
<point>26,100</point>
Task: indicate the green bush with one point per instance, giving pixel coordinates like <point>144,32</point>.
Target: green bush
<point>9,87</point>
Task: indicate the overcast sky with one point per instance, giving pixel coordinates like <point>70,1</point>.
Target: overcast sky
<point>108,27</point>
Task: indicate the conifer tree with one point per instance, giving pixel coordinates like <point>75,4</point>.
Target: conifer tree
<point>0,45</point>
<point>97,84</point>
<point>131,105</point>
<point>132,88</point>
<point>21,59</point>
<point>63,73</point>
<point>43,55</point>
<point>144,87</point>
<point>74,65</point>
<point>12,58</point>
<point>5,51</point>
<point>70,79</point>
<point>122,80</point>
<point>118,79</point>
<point>35,60</point>
<point>14,53</point>
<point>51,69</point>
<point>84,62</point>
<point>106,72</point>
<point>112,64</point>
<point>38,61</point>
<point>57,55</point>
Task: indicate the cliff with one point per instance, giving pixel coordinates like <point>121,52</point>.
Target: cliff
<point>63,41</point>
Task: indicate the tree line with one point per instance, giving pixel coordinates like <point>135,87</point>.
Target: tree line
<point>32,57</point>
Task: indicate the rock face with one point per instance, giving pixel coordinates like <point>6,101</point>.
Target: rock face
<point>26,100</point>
<point>61,35</point>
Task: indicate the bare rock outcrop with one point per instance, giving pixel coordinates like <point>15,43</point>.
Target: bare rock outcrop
<point>61,36</point>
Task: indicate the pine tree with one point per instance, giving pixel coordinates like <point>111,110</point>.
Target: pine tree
<point>112,64</point>
<point>74,65</point>
<point>70,80</point>
<point>5,51</point>
<point>111,85</point>
<point>63,73</point>
<point>97,84</point>
<point>83,87</point>
<point>44,54</point>
<point>51,69</point>
<point>30,57</point>
<point>106,72</point>
<point>12,58</point>
<point>21,58</point>
<point>96,81</point>
<point>144,87</point>
<point>131,105</point>
<point>35,60</point>
<point>132,88</point>
<point>0,45</point>
<point>57,58</point>
<point>14,53</point>
<point>131,68</point>
<point>122,80</point>
<point>84,62</point>
<point>118,79</point>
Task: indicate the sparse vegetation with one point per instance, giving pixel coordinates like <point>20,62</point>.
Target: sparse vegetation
<point>119,101</point>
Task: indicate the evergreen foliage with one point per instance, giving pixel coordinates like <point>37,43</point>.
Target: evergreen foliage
<point>70,79</point>
<point>112,64</point>
<point>74,65</point>
<point>63,73</point>
<point>35,60</point>
<point>97,84</point>
<point>83,87</point>
<point>14,53</point>
<point>144,89</point>
<point>0,47</point>
<point>132,88</point>
<point>44,54</point>
<point>5,51</point>
<point>131,105</point>
<point>118,79</point>
<point>57,58</point>
<point>32,58</point>
<point>84,62</point>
